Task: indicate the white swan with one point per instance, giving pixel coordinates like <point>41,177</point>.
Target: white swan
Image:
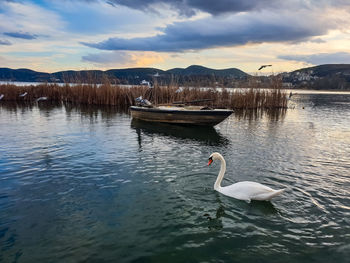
<point>242,190</point>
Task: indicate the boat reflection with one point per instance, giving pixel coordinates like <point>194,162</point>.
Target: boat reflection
<point>207,135</point>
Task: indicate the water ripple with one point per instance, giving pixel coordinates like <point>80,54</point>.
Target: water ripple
<point>90,185</point>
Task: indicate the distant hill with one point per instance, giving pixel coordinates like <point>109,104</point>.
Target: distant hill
<point>124,76</point>
<point>200,70</point>
<point>327,70</point>
<point>136,75</point>
<point>329,76</point>
<point>23,75</point>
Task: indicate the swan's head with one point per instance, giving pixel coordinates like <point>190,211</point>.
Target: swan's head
<point>213,157</point>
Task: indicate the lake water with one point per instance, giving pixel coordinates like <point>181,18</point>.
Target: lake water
<point>91,185</point>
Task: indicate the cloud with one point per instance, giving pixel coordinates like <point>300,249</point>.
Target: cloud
<point>189,7</point>
<point>227,31</point>
<point>317,40</point>
<point>108,58</point>
<point>25,20</point>
<point>218,7</point>
<point>21,35</point>
<point>321,58</point>
<point>128,33</point>
<point>5,42</point>
<point>121,58</point>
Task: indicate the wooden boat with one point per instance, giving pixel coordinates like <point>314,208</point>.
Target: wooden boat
<point>191,115</point>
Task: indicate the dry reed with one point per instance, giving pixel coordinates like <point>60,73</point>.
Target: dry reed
<point>122,97</point>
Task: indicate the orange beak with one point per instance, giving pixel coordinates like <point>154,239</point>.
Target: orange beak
<point>210,161</point>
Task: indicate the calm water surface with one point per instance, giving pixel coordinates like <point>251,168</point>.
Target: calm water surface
<point>91,185</point>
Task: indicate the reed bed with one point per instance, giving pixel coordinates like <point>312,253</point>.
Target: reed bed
<point>122,97</point>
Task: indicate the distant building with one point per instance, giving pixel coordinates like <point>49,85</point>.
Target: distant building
<point>145,82</point>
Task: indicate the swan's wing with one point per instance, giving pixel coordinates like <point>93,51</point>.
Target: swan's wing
<point>249,191</point>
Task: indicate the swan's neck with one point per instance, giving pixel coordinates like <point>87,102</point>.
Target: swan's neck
<point>221,173</point>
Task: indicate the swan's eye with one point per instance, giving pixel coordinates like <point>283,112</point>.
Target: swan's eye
<point>210,161</point>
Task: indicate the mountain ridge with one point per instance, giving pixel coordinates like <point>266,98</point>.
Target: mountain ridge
<point>127,75</point>
<point>326,76</point>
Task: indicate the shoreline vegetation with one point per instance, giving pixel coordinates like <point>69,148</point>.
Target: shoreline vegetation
<point>249,97</point>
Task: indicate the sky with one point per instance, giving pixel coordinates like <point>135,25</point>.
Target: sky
<point>55,35</point>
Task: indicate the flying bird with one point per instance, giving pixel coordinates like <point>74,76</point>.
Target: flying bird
<point>1,96</point>
<point>24,94</point>
<point>264,66</point>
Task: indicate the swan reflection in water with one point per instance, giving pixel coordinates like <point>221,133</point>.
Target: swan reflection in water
<point>215,222</point>
<point>239,209</point>
<point>206,135</point>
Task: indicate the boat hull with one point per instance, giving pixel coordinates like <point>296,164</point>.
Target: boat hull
<point>180,116</point>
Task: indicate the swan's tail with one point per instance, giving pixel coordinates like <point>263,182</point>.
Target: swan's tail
<point>276,193</point>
